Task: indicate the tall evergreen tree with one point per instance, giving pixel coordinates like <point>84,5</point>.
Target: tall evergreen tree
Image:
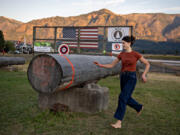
<point>2,41</point>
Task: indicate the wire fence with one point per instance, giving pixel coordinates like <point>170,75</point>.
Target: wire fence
<point>81,39</point>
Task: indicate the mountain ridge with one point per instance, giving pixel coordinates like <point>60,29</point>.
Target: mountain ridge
<point>149,26</point>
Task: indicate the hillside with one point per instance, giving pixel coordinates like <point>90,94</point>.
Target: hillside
<point>156,26</point>
<point>8,25</point>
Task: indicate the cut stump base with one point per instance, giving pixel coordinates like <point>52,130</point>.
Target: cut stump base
<point>91,98</point>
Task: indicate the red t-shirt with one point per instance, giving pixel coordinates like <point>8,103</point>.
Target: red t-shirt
<point>129,60</point>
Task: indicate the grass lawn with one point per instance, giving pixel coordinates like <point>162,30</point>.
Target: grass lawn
<point>20,115</point>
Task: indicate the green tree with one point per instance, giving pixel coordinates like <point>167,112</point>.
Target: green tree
<point>177,52</point>
<point>9,46</point>
<point>2,41</point>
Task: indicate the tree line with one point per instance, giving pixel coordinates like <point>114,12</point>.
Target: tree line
<point>5,46</point>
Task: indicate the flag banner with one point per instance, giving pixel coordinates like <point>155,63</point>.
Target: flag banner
<point>82,44</point>
<point>115,34</point>
<point>87,34</point>
<point>69,32</point>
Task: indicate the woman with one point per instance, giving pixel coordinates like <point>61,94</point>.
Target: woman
<point>128,78</point>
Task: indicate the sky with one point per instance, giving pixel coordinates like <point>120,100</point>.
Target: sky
<point>28,10</point>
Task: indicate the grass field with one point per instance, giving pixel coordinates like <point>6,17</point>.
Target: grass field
<point>20,115</point>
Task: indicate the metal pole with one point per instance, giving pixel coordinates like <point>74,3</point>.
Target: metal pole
<point>131,30</point>
<point>55,36</point>
<point>34,37</point>
<point>104,41</point>
<point>79,50</point>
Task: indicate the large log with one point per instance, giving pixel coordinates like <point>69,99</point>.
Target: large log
<point>5,61</point>
<point>49,73</point>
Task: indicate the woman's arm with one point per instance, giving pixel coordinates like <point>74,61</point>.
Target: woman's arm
<point>143,60</point>
<point>114,62</point>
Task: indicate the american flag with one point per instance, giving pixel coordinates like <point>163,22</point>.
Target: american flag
<point>88,37</point>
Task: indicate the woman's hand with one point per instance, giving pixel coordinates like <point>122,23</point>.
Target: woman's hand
<point>144,78</point>
<point>143,60</point>
<point>96,63</point>
<point>111,65</point>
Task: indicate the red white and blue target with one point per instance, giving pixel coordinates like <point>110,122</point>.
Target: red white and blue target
<point>63,49</point>
<point>117,46</point>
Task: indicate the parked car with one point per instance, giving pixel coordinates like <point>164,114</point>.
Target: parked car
<point>16,52</point>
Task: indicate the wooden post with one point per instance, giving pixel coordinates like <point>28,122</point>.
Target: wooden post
<point>105,40</point>
<point>79,49</point>
<point>55,36</point>
<point>34,37</point>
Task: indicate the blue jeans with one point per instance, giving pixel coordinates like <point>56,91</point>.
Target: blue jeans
<point>127,82</point>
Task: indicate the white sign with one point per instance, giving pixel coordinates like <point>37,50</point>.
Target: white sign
<point>115,34</point>
<point>42,49</point>
<point>116,52</point>
<point>117,48</point>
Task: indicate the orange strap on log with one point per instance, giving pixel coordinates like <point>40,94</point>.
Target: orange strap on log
<point>73,74</point>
